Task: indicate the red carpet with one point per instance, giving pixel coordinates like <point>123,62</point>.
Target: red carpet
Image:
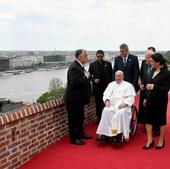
<point>95,155</point>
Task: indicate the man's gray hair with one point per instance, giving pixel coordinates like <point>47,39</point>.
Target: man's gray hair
<point>124,46</point>
<point>78,52</point>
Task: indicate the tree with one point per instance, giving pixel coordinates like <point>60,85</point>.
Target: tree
<point>56,90</point>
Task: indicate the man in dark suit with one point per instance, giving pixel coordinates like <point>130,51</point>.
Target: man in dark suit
<point>100,75</point>
<point>146,73</point>
<point>76,96</point>
<point>128,64</point>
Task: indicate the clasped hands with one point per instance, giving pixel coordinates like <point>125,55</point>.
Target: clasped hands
<point>149,86</point>
<point>87,74</point>
<point>107,104</point>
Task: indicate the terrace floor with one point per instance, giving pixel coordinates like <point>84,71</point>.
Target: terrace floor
<point>94,155</point>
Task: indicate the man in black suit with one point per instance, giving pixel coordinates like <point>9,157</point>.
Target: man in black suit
<point>128,64</point>
<point>100,75</point>
<point>76,96</point>
<point>146,73</point>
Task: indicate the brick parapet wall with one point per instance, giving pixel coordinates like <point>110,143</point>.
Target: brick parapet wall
<point>31,129</point>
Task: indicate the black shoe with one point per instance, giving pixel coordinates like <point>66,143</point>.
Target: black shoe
<point>78,142</point>
<point>85,136</point>
<point>160,147</point>
<point>116,140</point>
<point>150,146</point>
<point>101,138</point>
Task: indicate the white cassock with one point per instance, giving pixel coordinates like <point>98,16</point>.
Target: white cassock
<point>114,120</point>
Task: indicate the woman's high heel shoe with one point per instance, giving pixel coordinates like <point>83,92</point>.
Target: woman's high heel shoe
<point>160,147</point>
<point>151,145</point>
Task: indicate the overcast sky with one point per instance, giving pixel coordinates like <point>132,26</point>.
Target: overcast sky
<point>88,24</point>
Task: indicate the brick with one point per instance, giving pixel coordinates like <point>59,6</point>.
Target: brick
<point>5,165</point>
<point>15,165</point>
<point>3,149</point>
<point>12,156</point>
<point>42,136</point>
<point>5,143</point>
<point>33,145</point>
<point>24,134</point>
<point>14,144</point>
<point>2,127</point>
<point>30,137</point>
<point>14,160</point>
<point>41,127</point>
<point>26,144</point>
<point>15,149</point>
<point>14,123</point>
<point>2,161</point>
<point>26,154</point>
<point>4,154</point>
<point>2,139</point>
<point>25,160</point>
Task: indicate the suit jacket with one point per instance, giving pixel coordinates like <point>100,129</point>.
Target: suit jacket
<point>131,70</point>
<point>144,73</point>
<point>105,76</point>
<point>78,86</point>
<point>161,85</point>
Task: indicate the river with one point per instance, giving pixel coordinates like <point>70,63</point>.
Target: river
<point>29,86</point>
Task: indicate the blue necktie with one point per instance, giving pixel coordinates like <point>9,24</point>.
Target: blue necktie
<point>149,71</point>
<point>124,61</point>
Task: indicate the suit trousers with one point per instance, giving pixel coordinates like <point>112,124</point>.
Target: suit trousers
<point>75,120</point>
<point>99,104</point>
<point>141,115</point>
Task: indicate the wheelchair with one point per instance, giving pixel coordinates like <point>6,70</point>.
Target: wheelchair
<point>134,121</point>
<point>133,125</point>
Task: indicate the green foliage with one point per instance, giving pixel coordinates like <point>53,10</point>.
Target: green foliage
<point>168,61</point>
<point>56,90</point>
<point>43,98</point>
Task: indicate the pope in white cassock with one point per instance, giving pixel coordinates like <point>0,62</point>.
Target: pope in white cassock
<point>118,97</point>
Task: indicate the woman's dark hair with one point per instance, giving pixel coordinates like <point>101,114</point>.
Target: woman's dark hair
<point>158,57</point>
<point>100,52</point>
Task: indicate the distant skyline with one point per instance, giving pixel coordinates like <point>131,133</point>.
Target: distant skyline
<point>91,24</point>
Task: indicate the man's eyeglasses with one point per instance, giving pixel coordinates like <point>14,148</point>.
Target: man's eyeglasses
<point>99,56</point>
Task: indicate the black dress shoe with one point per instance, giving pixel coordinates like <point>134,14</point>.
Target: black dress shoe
<point>78,142</point>
<point>101,138</point>
<point>150,146</point>
<point>85,136</point>
<point>160,147</point>
<point>116,141</point>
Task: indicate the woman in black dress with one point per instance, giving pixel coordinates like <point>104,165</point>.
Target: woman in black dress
<point>156,100</point>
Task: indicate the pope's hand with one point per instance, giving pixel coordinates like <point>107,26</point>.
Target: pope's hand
<point>122,106</point>
<point>107,103</point>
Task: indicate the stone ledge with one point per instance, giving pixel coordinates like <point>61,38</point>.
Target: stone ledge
<point>29,110</point>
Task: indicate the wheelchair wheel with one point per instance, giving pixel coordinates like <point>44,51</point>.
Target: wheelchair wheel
<point>134,121</point>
